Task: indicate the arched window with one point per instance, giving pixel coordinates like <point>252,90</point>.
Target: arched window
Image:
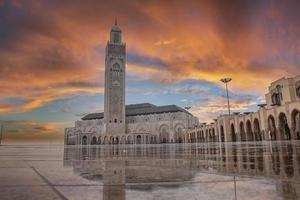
<point>277,95</point>
<point>116,67</point>
<point>279,91</point>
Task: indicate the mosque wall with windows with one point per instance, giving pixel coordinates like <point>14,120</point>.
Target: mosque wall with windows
<point>147,128</point>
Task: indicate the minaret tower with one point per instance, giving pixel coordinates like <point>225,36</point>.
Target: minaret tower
<point>114,102</point>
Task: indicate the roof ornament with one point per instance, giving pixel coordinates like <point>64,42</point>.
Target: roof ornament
<point>116,21</point>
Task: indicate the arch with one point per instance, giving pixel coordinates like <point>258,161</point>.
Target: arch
<point>272,127</point>
<point>138,139</point>
<point>147,139</point>
<point>117,140</point>
<point>94,140</point>
<point>99,140</point>
<point>164,134</point>
<point>214,134</point>
<point>163,137</point>
<point>222,133</point>
<point>242,132</point>
<point>123,140</point>
<point>233,134</point>
<point>295,118</point>
<point>111,140</point>
<point>284,129</point>
<point>256,128</point>
<point>206,135</point>
<point>105,140</point>
<point>210,135</point>
<point>155,139</point>
<point>116,67</point>
<point>84,140</point>
<point>151,139</point>
<point>129,139</point>
<point>179,133</point>
<point>198,136</point>
<point>249,131</point>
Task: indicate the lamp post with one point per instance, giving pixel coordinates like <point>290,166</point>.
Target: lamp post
<point>227,80</point>
<point>1,133</point>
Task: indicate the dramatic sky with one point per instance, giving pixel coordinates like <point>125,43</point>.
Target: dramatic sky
<point>52,57</point>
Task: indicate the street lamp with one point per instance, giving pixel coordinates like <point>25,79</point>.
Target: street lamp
<point>1,133</point>
<point>227,80</point>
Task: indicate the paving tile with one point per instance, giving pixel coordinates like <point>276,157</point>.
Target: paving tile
<point>82,192</point>
<point>19,177</point>
<point>28,193</point>
<point>13,164</point>
<point>64,176</point>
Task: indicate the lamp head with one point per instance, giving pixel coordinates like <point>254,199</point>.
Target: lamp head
<point>226,80</point>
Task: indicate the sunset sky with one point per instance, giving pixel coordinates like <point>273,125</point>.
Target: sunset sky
<point>52,57</point>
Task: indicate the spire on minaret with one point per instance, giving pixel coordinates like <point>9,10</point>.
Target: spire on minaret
<point>115,33</point>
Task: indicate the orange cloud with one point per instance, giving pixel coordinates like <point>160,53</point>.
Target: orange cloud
<point>31,130</point>
<point>47,47</point>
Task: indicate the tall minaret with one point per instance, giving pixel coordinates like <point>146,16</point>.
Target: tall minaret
<point>114,102</point>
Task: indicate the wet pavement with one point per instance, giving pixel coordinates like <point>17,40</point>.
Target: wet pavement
<point>257,171</point>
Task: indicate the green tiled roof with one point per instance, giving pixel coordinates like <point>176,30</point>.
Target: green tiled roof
<point>140,109</point>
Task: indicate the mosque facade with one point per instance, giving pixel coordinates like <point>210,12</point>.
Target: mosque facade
<point>142,123</point>
<point>277,119</point>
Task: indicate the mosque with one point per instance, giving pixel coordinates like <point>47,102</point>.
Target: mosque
<point>145,123</point>
<point>142,123</point>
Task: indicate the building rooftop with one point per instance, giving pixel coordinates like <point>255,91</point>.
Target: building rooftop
<point>140,109</point>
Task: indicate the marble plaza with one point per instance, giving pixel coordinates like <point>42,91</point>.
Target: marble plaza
<point>232,171</point>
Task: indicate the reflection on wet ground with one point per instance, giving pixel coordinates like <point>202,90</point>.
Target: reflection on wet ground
<point>174,171</point>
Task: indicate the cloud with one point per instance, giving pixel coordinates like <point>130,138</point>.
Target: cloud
<point>51,50</point>
<point>31,130</point>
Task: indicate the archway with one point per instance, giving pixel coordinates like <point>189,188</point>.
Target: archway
<point>222,134</point>
<point>210,135</point>
<point>179,140</point>
<point>99,140</point>
<point>179,133</point>
<point>138,139</point>
<point>249,131</point>
<point>105,140</point>
<point>272,127</point>
<point>112,139</point>
<point>284,129</point>
<point>163,135</point>
<point>123,140</point>
<point>94,140</point>
<point>117,140</point>
<point>129,140</point>
<point>152,139</point>
<point>296,123</point>
<point>242,131</point>
<point>84,140</point>
<point>257,131</point>
<point>233,135</point>
<point>213,135</point>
